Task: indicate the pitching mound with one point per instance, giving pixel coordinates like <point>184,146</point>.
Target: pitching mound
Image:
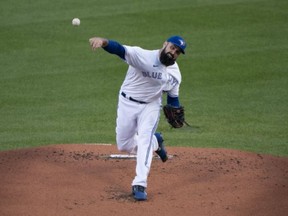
<point>81,180</point>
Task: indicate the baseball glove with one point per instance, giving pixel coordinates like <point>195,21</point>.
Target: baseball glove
<point>174,115</point>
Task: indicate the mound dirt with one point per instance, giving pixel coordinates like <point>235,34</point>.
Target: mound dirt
<point>78,179</point>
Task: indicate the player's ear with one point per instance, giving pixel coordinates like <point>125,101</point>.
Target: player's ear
<point>165,44</point>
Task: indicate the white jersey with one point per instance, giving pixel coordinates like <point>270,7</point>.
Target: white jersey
<point>147,78</point>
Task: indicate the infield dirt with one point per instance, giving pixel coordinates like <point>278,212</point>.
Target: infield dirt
<point>78,179</point>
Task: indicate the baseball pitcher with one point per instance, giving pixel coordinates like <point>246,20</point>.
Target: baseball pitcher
<point>150,74</point>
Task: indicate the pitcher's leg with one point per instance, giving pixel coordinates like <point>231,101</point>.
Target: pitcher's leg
<point>126,126</point>
<point>144,160</point>
<point>148,122</point>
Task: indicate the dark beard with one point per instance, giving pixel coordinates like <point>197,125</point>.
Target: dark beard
<point>166,59</point>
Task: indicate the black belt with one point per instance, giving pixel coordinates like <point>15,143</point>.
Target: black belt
<point>132,99</point>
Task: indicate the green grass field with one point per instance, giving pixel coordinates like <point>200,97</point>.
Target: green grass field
<point>54,89</point>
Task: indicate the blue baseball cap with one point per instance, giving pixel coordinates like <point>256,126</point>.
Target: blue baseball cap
<point>179,42</point>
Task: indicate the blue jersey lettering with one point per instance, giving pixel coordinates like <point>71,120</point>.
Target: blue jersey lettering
<point>154,75</point>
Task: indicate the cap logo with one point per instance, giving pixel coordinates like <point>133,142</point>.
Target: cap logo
<point>182,43</point>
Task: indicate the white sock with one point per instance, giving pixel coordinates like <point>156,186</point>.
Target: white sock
<point>155,143</point>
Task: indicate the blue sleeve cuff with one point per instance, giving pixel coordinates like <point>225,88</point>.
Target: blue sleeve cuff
<point>116,48</point>
<point>173,101</point>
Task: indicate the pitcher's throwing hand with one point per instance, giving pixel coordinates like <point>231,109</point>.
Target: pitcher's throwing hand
<point>98,42</point>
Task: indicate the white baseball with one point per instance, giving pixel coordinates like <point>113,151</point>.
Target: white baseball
<point>76,22</point>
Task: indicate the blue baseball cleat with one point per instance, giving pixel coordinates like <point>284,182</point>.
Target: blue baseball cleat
<point>139,192</point>
<point>161,150</point>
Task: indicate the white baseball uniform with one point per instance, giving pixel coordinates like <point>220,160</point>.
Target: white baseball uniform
<point>139,105</point>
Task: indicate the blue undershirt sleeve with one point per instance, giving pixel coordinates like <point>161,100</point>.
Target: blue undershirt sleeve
<point>173,101</point>
<point>116,48</point>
